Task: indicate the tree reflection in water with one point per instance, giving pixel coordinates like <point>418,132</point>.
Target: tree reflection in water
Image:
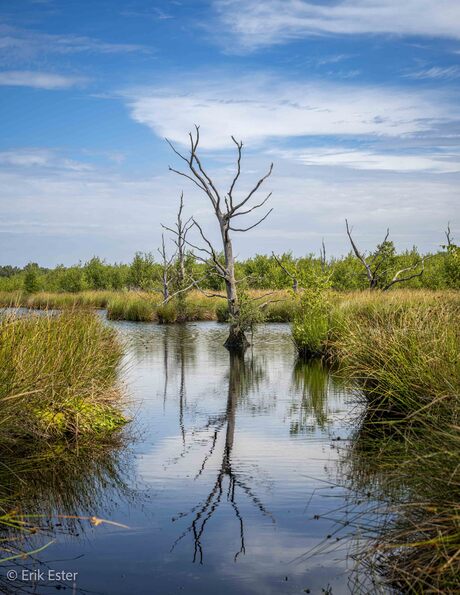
<point>229,483</point>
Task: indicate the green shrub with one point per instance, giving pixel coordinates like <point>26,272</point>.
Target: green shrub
<point>311,324</point>
<point>222,312</point>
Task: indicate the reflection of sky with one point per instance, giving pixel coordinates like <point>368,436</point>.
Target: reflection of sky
<point>286,474</point>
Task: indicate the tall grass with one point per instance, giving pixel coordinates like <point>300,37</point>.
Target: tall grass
<point>143,306</point>
<point>402,351</point>
<point>137,308</point>
<point>409,472</point>
<point>57,301</point>
<point>404,354</point>
<point>58,377</point>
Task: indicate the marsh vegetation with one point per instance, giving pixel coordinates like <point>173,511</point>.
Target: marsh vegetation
<point>381,327</point>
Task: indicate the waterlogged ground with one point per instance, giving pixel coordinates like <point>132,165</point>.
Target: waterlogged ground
<point>230,487</point>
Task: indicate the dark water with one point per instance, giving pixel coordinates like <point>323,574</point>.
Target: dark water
<point>230,486</point>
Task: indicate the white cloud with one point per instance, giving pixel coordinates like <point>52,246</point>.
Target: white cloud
<point>257,23</point>
<point>42,158</point>
<point>257,108</point>
<point>436,73</point>
<point>369,160</point>
<point>18,45</point>
<point>41,203</point>
<point>39,80</point>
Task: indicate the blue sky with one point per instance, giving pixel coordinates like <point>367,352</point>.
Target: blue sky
<point>355,101</point>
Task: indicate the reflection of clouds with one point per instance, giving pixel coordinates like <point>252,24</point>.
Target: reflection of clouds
<point>265,571</point>
<point>275,479</point>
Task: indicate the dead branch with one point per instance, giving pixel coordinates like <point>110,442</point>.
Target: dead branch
<point>448,235</point>
<point>295,281</point>
<point>360,256</point>
<point>398,279</point>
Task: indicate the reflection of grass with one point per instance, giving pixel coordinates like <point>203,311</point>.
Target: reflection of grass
<point>412,473</point>
<point>50,490</point>
<point>311,379</point>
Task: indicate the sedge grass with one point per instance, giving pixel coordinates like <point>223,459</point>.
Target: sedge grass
<point>58,375</point>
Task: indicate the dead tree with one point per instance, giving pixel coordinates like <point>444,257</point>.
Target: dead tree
<point>322,256</point>
<point>226,209</point>
<point>295,281</point>
<point>448,236</point>
<point>373,265</point>
<point>179,232</point>
<point>166,268</point>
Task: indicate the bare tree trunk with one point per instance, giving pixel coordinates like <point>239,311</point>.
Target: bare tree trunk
<point>236,340</point>
<point>226,209</point>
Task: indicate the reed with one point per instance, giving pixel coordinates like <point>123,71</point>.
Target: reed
<point>401,351</point>
<point>58,375</point>
<point>137,308</point>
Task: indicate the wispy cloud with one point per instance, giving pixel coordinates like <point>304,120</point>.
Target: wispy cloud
<point>154,13</point>
<point>257,23</point>
<point>39,80</point>
<point>41,158</point>
<point>436,73</point>
<point>371,160</point>
<point>257,108</point>
<point>18,45</point>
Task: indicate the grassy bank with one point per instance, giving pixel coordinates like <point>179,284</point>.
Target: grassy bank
<point>142,306</point>
<point>409,474</point>
<point>403,344</point>
<point>58,376</point>
<point>401,351</point>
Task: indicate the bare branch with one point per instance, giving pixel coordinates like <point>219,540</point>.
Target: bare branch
<point>237,175</point>
<point>359,255</point>
<point>181,173</point>
<point>261,204</point>
<point>397,279</point>
<point>253,191</point>
<point>251,226</point>
<point>448,235</point>
<point>218,265</point>
<point>295,284</point>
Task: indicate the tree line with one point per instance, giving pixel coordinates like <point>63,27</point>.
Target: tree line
<point>262,271</point>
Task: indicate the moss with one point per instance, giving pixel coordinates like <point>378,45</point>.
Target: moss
<point>79,417</point>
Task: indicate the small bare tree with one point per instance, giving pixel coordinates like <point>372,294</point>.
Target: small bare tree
<point>375,264</point>
<point>322,256</point>
<point>166,270</point>
<point>226,209</point>
<point>179,232</point>
<point>294,279</point>
<point>448,233</point>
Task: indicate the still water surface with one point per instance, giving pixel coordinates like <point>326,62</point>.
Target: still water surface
<point>230,482</point>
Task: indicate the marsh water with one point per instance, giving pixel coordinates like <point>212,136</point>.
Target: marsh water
<point>229,481</point>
